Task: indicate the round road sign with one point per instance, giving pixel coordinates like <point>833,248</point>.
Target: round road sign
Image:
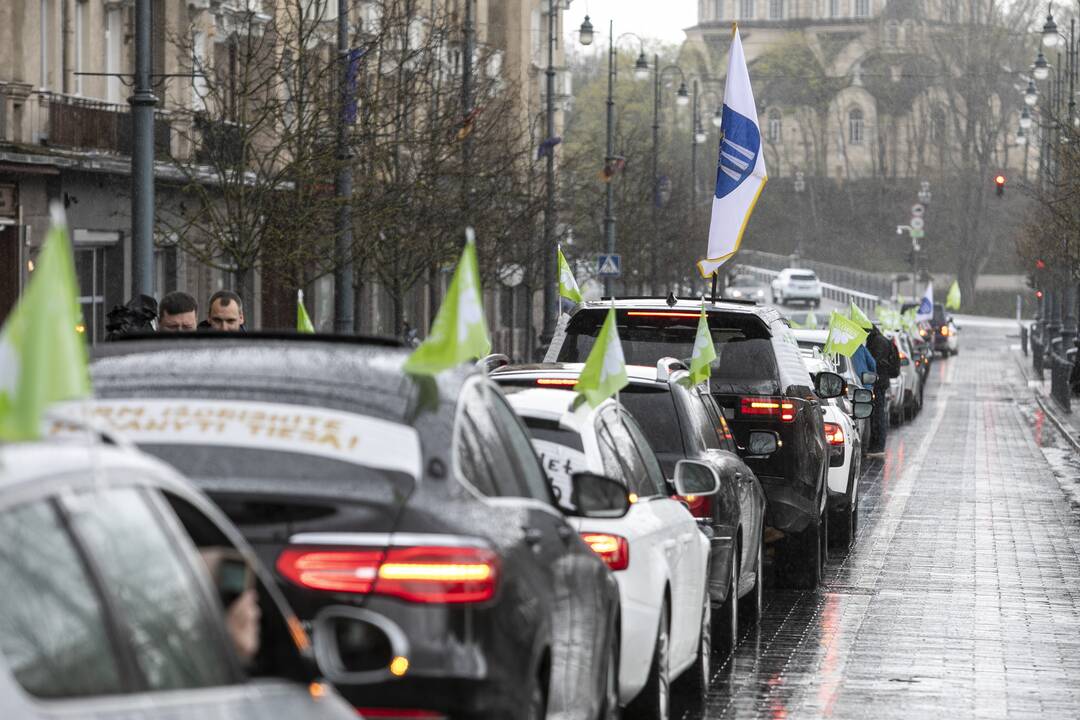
<point>917,210</point>
<point>917,223</point>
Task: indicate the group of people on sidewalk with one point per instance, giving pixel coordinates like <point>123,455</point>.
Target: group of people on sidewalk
<point>879,356</point>
<point>177,312</point>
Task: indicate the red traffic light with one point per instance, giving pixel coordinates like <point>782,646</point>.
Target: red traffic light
<point>1038,294</point>
<point>1040,265</point>
<point>999,180</point>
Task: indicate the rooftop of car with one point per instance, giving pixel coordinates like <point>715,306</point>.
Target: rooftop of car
<point>817,337</point>
<point>640,374</point>
<point>663,306</point>
<point>324,371</point>
<point>28,463</point>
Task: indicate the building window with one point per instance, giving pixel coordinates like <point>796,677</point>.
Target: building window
<point>746,9</point>
<point>776,9</point>
<point>862,8</point>
<point>891,32</point>
<point>114,38</point>
<point>775,127</point>
<point>834,8</point>
<point>908,37</point>
<point>718,10</point>
<point>46,36</point>
<point>855,126</point>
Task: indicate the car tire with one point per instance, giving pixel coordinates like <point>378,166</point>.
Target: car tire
<point>753,603</point>
<point>804,557</point>
<point>845,525</point>
<point>609,709</point>
<point>725,625</point>
<point>654,700</point>
<point>694,683</point>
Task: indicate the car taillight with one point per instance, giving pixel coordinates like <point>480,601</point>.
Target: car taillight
<point>770,407</point>
<point>612,549</point>
<point>556,382</point>
<point>922,332</point>
<point>903,356</point>
<point>416,574</point>
<point>700,506</point>
<point>834,434</point>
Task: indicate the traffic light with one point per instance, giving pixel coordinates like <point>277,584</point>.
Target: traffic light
<point>1040,265</point>
<point>1038,294</point>
<point>999,181</point>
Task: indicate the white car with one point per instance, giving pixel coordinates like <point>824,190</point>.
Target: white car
<point>907,398</point>
<point>845,461</point>
<point>657,551</point>
<point>796,285</point>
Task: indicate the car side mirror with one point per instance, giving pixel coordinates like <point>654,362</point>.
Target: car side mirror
<point>596,496</point>
<point>693,477</point>
<point>762,443</point>
<point>862,395</point>
<point>869,378</point>
<point>862,410</point>
<point>829,385</point>
<point>355,645</point>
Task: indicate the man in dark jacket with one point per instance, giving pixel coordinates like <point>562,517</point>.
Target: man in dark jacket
<point>887,359</point>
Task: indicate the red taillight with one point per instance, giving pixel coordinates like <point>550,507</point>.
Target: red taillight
<point>834,434</point>
<point>612,549</point>
<point>700,506</point>
<point>667,314</point>
<point>415,574</point>
<point>903,356</point>
<point>557,382</point>
<point>764,406</point>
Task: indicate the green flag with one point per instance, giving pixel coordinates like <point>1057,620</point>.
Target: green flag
<point>459,332</point>
<point>42,355</point>
<point>908,321</point>
<point>845,336</point>
<point>887,317</point>
<point>604,373</point>
<point>568,287</point>
<point>811,322</point>
<point>952,300</point>
<point>303,322</point>
<point>794,324</point>
<point>704,350</point>
<point>855,313</point>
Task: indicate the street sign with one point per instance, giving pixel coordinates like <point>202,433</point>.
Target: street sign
<point>917,210</point>
<point>917,223</point>
<point>916,234</point>
<point>609,265</point>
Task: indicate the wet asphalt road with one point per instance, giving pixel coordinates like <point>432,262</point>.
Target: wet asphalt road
<point>961,595</point>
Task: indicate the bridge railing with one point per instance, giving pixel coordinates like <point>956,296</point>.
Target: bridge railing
<point>829,291</point>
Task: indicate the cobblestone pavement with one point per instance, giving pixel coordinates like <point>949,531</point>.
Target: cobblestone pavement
<point>961,595</point>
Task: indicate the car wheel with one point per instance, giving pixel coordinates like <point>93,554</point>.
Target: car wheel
<point>610,708</point>
<point>654,701</point>
<point>725,627</point>
<point>752,605</point>
<point>696,680</point>
<point>845,526</point>
<point>804,561</point>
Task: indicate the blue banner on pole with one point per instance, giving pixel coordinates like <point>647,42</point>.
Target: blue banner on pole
<point>351,76</point>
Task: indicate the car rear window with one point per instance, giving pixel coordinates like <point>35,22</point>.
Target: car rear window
<point>654,409</point>
<point>803,276</point>
<point>746,361</point>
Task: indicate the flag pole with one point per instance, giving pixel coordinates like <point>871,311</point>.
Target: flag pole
<point>714,286</point>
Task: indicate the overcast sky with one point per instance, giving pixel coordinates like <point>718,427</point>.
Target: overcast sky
<point>663,19</point>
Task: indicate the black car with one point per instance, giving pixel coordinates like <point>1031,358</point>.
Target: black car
<point>682,421</point>
<point>414,504</point>
<point>941,328</point>
<point>760,382</point>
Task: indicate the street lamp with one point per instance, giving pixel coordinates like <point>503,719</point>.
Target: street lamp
<point>1021,138</point>
<point>1041,69</point>
<point>586,33</point>
<point>718,118</point>
<point>1050,32</point>
<point>1025,118</point>
<point>682,97</point>
<point>1031,95</point>
<point>641,67</point>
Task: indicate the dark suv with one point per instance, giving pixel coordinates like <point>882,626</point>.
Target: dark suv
<point>760,382</point>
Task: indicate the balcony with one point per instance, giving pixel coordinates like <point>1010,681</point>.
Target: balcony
<point>83,124</point>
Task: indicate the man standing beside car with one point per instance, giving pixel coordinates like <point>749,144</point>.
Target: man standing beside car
<point>887,360</point>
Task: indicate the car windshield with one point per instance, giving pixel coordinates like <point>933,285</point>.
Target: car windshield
<point>745,359</point>
<point>654,410</point>
<point>743,281</point>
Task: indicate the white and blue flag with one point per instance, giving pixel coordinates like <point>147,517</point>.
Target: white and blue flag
<point>926,305</point>
<point>740,172</point>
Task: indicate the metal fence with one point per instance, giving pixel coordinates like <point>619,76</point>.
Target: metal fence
<point>864,282</point>
<point>85,124</point>
<point>829,291</point>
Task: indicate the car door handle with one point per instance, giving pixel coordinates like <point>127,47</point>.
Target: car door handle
<point>534,536</point>
<point>565,533</point>
<point>668,544</point>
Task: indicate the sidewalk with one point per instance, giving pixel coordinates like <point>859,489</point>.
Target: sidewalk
<point>1067,423</point>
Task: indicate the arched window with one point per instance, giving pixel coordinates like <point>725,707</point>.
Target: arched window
<point>774,131</point>
<point>908,37</point>
<point>776,9</point>
<point>939,131</point>
<point>834,8</point>
<point>892,30</point>
<point>862,8</point>
<point>856,128</point>
<point>746,9</point>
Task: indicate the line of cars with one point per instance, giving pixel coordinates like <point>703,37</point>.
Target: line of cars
<point>479,544</point>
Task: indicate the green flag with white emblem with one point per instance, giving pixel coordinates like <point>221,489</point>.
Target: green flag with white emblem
<point>952,300</point>
<point>42,354</point>
<point>604,373</point>
<point>704,350</point>
<point>856,314</point>
<point>845,336</point>
<point>303,321</point>
<point>568,287</point>
<point>459,332</point>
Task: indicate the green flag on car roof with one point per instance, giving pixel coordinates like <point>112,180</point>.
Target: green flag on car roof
<point>855,313</point>
<point>303,321</point>
<point>42,353</point>
<point>888,318</point>
<point>459,332</point>
<point>908,321</point>
<point>704,350</point>
<point>952,300</point>
<point>568,287</point>
<point>811,322</point>
<point>604,373</point>
<point>845,336</point>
